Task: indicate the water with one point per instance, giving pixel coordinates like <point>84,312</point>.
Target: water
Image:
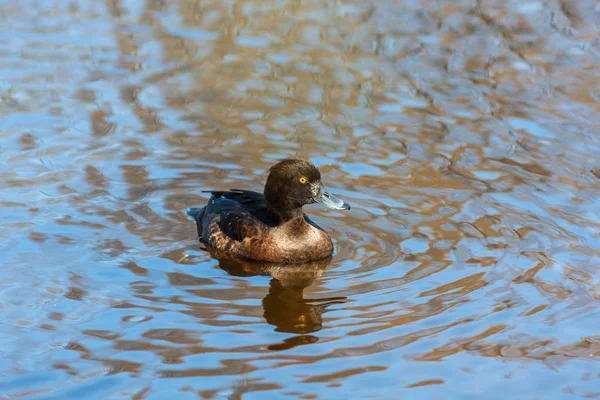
<point>464,134</point>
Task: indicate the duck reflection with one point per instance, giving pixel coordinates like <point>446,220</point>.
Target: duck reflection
<point>285,306</point>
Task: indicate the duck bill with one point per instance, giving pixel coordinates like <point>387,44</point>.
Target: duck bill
<point>329,200</point>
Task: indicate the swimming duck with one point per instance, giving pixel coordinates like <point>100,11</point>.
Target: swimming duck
<point>271,226</point>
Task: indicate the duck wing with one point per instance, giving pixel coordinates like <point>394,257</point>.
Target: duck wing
<point>238,214</point>
<point>246,198</point>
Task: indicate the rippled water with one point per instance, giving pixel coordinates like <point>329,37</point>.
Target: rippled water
<point>464,134</point>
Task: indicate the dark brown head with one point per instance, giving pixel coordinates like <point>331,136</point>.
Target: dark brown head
<point>293,183</point>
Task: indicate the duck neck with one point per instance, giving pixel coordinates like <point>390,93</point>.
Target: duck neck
<point>281,207</point>
<point>282,214</point>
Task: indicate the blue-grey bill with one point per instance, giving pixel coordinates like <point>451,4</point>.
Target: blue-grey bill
<point>330,201</point>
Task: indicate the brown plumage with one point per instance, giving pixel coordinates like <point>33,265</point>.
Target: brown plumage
<point>269,227</point>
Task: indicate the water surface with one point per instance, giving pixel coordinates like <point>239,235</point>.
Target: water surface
<point>464,134</point>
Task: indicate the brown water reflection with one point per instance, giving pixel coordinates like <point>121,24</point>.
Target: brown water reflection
<point>463,133</point>
<point>284,306</point>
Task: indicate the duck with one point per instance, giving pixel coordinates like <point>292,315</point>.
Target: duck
<point>269,226</point>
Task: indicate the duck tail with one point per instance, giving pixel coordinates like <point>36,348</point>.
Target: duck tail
<point>195,212</point>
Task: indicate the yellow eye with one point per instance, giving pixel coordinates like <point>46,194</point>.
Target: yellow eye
<point>302,180</point>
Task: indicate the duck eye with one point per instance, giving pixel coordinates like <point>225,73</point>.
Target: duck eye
<point>302,180</point>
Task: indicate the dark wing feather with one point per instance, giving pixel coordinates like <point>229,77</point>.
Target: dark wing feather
<point>247,198</point>
<point>242,213</point>
<point>237,226</point>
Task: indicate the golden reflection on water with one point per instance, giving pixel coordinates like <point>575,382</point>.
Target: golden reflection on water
<point>464,132</point>
<point>284,306</point>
